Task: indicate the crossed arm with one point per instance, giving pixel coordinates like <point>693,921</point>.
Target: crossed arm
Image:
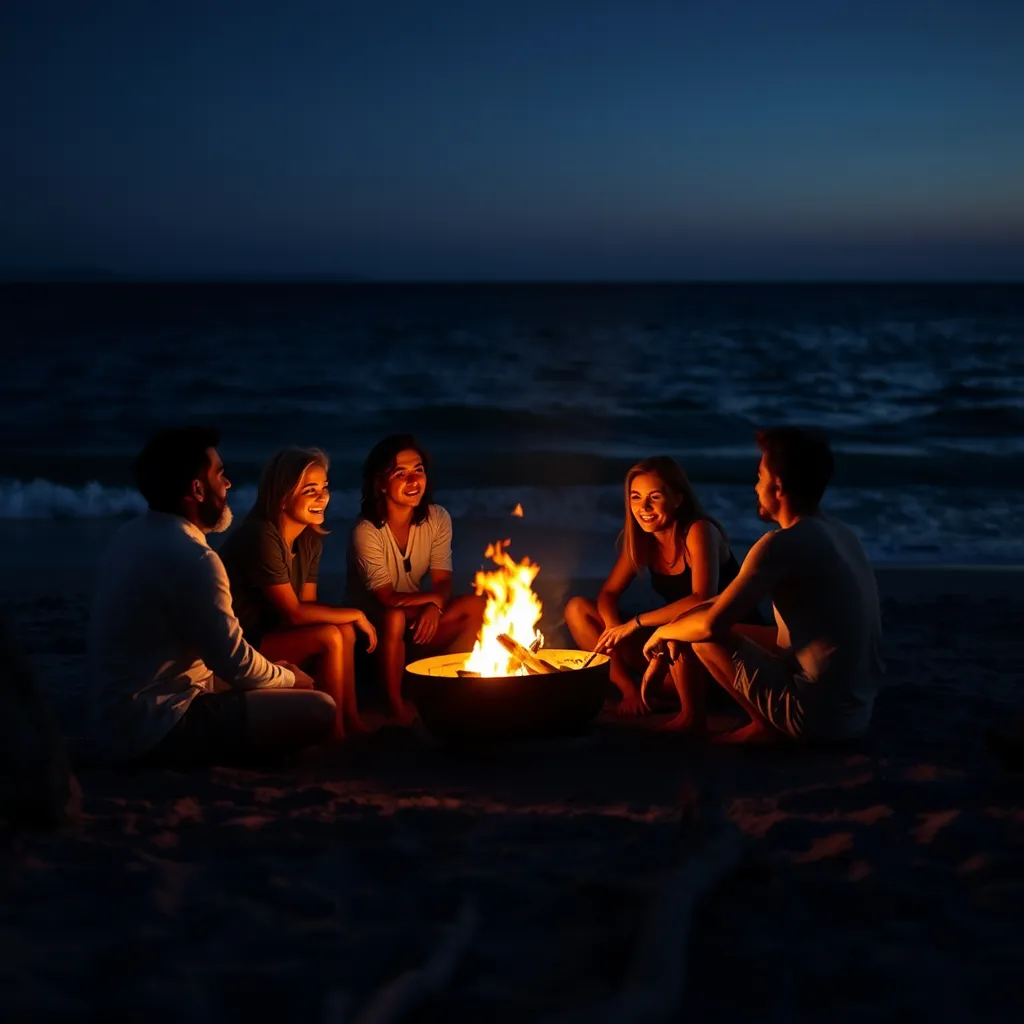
<point>307,611</point>
<point>439,595</point>
<point>714,620</point>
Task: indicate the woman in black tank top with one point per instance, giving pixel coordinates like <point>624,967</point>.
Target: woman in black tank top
<point>685,550</point>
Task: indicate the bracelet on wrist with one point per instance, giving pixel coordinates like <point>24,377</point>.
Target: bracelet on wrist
<point>636,619</point>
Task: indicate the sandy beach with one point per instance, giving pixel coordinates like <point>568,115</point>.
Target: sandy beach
<point>883,878</point>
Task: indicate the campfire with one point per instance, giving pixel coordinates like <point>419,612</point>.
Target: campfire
<point>509,637</point>
<point>505,689</point>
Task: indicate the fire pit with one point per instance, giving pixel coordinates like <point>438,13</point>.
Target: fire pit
<point>507,687</point>
<point>484,709</point>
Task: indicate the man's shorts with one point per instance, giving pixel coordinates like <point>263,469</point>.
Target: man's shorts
<point>212,731</point>
<point>771,685</point>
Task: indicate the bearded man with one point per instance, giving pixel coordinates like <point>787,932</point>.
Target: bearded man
<point>814,675</point>
<point>163,628</point>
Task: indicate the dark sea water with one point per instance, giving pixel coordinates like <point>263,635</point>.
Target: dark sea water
<point>542,395</point>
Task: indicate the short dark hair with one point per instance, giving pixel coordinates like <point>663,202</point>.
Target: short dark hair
<point>376,469</point>
<point>171,459</point>
<point>802,460</point>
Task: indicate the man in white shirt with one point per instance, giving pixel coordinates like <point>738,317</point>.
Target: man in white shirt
<point>814,675</point>
<point>163,627</point>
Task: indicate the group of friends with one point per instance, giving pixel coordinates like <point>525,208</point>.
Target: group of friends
<point>199,656</point>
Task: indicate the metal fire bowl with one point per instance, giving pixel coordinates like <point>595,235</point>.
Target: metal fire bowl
<point>471,709</point>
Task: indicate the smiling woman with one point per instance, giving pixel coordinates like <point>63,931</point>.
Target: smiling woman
<point>273,562</point>
<point>687,554</point>
<point>401,537</point>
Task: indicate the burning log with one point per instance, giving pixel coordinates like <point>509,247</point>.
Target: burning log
<point>534,665</point>
<point>514,664</point>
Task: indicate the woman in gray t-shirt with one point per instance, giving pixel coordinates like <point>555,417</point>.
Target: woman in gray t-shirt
<point>402,542</point>
<point>273,560</point>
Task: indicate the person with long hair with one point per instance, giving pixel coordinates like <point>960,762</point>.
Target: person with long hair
<point>163,630</point>
<point>403,541</point>
<point>814,675</point>
<point>273,564</point>
<point>686,552</point>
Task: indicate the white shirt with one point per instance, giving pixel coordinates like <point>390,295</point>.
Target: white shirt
<point>162,627</point>
<point>379,561</point>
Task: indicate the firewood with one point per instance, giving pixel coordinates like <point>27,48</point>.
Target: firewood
<point>534,665</point>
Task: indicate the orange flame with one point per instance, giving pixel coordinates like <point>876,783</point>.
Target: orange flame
<point>512,608</point>
<point>518,511</point>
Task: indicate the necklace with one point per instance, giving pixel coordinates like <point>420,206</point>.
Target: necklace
<point>669,566</point>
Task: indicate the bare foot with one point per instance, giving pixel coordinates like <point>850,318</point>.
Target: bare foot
<point>357,725</point>
<point>685,722</point>
<point>631,703</point>
<point>403,714</point>
<point>752,732</point>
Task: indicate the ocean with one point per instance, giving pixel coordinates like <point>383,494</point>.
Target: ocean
<point>541,395</point>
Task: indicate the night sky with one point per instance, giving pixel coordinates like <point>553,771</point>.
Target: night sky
<point>489,140</point>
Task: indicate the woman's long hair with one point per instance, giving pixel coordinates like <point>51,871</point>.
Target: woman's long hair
<point>376,470</point>
<point>279,479</point>
<point>640,546</point>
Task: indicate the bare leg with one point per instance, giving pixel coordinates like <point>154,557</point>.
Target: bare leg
<point>585,626</point>
<point>459,626</point>
<point>764,636</point>
<point>391,662</point>
<point>584,622</point>
<point>278,720</point>
<point>349,706</point>
<point>690,677</point>
<point>335,674</point>
<point>717,659</point>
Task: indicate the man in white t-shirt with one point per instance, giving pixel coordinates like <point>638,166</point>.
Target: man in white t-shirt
<point>401,542</point>
<point>163,627</point>
<point>814,675</point>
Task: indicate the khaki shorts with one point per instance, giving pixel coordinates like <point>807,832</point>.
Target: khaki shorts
<point>212,731</point>
<point>771,685</point>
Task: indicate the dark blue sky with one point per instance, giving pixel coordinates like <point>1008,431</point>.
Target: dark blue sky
<point>432,139</point>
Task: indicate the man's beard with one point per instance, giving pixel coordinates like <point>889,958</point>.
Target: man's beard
<point>214,515</point>
<point>763,513</point>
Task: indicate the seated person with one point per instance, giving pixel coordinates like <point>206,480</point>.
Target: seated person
<point>400,537</point>
<point>163,625</point>
<point>815,675</point>
<point>668,533</point>
<point>273,563</point>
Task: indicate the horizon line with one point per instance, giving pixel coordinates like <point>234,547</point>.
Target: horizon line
<point>110,277</point>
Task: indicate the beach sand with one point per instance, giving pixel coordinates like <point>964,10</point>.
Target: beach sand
<point>885,878</point>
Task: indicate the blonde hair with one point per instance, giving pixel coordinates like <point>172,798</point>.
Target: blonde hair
<point>281,477</point>
<point>638,545</point>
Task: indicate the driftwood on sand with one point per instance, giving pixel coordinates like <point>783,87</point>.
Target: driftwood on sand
<point>409,991</point>
<point>36,784</point>
<point>654,990</point>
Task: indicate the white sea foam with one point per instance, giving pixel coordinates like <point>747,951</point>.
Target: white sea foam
<point>43,499</point>
<point>921,523</point>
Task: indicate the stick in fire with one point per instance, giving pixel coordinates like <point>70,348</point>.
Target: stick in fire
<point>534,665</point>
